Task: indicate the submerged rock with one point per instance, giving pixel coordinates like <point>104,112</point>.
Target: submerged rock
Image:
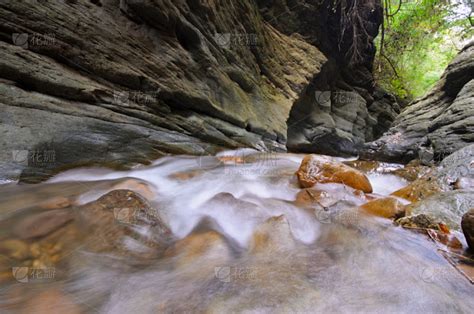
<point>412,171</point>
<point>316,169</point>
<point>138,186</point>
<point>327,198</point>
<point>123,222</point>
<point>467,225</point>
<point>272,236</point>
<point>365,166</point>
<point>204,246</point>
<point>39,225</point>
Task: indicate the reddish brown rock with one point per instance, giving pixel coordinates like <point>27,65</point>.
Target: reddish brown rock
<point>467,225</point>
<point>444,238</point>
<point>196,245</point>
<point>114,216</point>
<point>388,207</point>
<point>315,169</point>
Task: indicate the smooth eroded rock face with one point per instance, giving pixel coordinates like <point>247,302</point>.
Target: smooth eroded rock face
<point>124,82</point>
<point>467,225</point>
<point>316,169</point>
<point>437,124</point>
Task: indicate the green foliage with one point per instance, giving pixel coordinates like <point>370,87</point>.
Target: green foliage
<point>420,39</point>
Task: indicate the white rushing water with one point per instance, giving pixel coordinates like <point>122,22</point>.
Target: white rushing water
<point>304,261</point>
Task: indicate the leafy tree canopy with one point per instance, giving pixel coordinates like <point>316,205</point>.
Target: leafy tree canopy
<point>419,38</point>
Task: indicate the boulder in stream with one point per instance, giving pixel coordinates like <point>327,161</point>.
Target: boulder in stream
<point>124,222</point>
<point>318,169</point>
<point>388,207</point>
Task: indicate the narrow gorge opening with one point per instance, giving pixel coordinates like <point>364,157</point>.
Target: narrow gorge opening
<point>381,56</point>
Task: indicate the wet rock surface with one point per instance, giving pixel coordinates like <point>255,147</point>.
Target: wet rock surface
<point>388,207</point>
<point>315,169</point>
<point>123,222</point>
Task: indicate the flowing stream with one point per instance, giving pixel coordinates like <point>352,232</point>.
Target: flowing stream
<point>242,259</point>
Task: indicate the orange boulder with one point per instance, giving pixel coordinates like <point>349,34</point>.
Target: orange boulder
<point>315,169</point>
<point>388,207</point>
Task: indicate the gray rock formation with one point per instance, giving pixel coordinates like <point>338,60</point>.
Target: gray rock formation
<point>342,108</point>
<point>98,82</point>
<point>338,121</point>
<point>441,122</point>
<point>456,199</point>
<point>117,83</point>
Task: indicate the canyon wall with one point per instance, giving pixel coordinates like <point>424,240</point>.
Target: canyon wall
<point>119,83</point>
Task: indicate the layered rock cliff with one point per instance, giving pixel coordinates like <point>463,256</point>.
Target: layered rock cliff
<point>116,83</point>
